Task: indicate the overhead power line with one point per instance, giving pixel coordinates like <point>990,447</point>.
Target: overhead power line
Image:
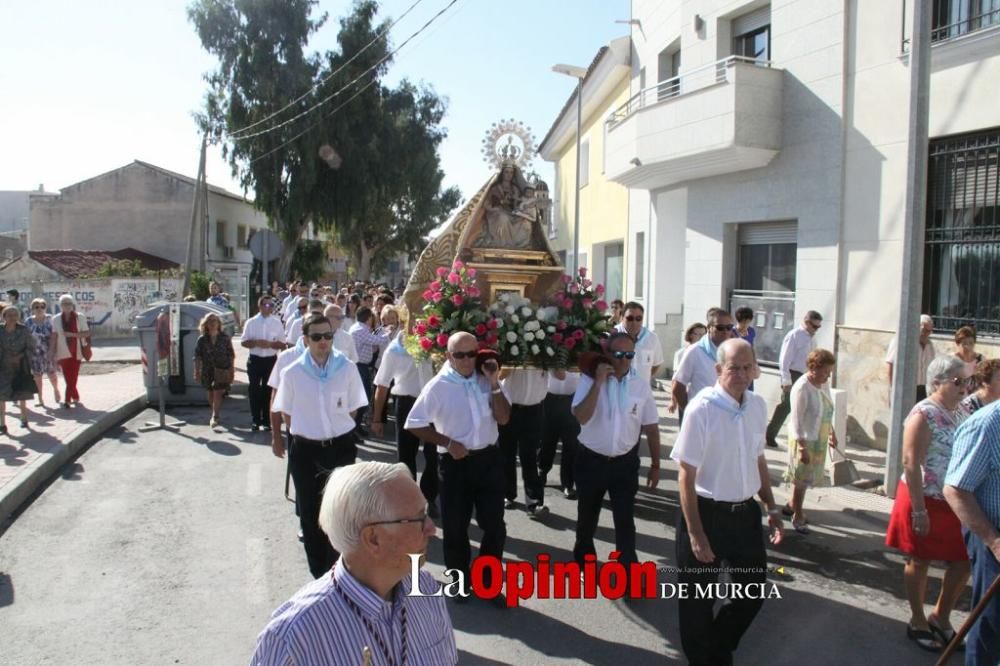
<point>236,133</point>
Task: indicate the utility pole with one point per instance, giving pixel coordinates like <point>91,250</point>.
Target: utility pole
<point>907,330</point>
<point>195,204</point>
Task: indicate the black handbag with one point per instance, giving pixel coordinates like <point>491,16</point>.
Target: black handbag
<point>23,381</point>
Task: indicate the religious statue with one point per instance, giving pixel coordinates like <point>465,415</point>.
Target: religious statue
<point>511,212</point>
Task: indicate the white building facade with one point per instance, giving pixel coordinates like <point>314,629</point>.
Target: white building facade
<point>765,148</point>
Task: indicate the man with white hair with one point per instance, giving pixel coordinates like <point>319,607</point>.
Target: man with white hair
<point>342,340</point>
<point>376,517</point>
<point>925,356</point>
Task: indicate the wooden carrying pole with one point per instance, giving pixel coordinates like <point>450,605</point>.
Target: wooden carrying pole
<point>967,625</point>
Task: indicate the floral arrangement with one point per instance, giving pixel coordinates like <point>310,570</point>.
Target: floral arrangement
<point>525,332</point>
<point>582,322</point>
<point>451,304</point>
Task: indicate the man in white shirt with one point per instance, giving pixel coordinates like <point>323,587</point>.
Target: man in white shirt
<point>560,425</point>
<point>459,410</point>
<point>720,451</point>
<point>262,335</point>
<point>294,329</point>
<point>318,394</point>
<point>521,437</point>
<point>298,311</point>
<point>407,378</point>
<point>342,340</point>
<point>697,367</point>
<point>613,408</point>
<point>290,302</point>
<point>648,352</point>
<point>795,350</point>
<point>925,356</point>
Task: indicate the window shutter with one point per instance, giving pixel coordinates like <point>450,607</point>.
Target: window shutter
<point>751,21</point>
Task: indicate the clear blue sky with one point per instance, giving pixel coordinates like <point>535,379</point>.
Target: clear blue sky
<point>89,86</point>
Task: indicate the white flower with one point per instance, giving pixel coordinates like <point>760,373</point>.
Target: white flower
<point>529,337</point>
<point>532,326</point>
<point>550,329</point>
<point>511,336</point>
<point>514,319</point>
<point>550,351</point>
<point>539,335</point>
<point>526,311</point>
<point>514,351</point>
<point>509,309</point>
<point>505,298</point>
<point>535,350</point>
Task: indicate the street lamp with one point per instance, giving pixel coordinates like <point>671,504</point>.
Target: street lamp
<point>577,73</point>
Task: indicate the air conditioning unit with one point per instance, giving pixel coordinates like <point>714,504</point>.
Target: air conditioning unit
<point>228,251</point>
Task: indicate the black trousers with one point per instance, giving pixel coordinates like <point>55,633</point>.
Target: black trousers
<point>619,478</point>
<point>365,371</point>
<point>781,411</point>
<point>311,464</point>
<point>474,482</point>
<point>407,445</point>
<point>258,372</point>
<point>522,437</point>
<point>737,538</point>
<point>559,426</point>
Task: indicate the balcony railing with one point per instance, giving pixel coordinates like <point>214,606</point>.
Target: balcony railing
<point>688,82</point>
<point>942,32</point>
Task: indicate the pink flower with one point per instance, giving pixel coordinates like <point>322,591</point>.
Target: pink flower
<point>557,337</point>
<point>441,340</point>
<point>436,285</point>
<point>570,343</point>
<point>567,303</point>
<point>433,321</point>
<point>492,324</point>
<point>560,325</point>
<point>599,289</point>
<point>566,279</point>
<point>587,303</point>
<point>574,288</point>
<point>426,344</point>
<point>473,291</point>
<point>586,283</point>
<point>471,272</point>
<point>480,329</point>
<point>601,306</point>
<point>437,296</point>
<point>583,271</point>
<point>454,278</point>
<point>457,299</point>
<point>457,266</point>
<point>441,271</point>
<point>428,294</point>
<point>420,328</point>
<point>579,334</point>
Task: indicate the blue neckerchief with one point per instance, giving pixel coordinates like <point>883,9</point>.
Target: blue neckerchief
<point>396,346</point>
<point>326,373</point>
<point>619,389</point>
<point>300,346</point>
<point>706,346</point>
<point>472,393</point>
<point>720,401</point>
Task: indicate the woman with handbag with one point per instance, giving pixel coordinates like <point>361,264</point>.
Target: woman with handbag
<point>72,345</point>
<point>214,367</point>
<point>16,382</point>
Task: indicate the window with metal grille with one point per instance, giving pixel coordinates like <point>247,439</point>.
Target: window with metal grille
<point>953,18</point>
<point>962,240</point>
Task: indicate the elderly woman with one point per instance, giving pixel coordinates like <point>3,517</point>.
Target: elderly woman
<point>922,525</point>
<point>16,347</point>
<point>965,347</point>
<point>213,363</point>
<point>692,335</point>
<point>810,432</point>
<point>72,337</point>
<point>43,358</point>
<point>987,383</point>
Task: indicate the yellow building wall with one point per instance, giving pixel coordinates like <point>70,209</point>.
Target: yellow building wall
<point>603,203</point>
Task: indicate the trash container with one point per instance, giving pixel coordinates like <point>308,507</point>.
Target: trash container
<point>180,389</point>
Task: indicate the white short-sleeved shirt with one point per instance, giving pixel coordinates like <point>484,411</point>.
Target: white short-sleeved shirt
<point>722,447</point>
<point>526,386</point>
<point>924,358</point>
<point>696,371</point>
<point>285,359</point>
<point>320,411</point>
<point>267,328</point>
<point>466,417</point>
<point>344,343</point>
<point>612,430</point>
<point>399,369</point>
<point>648,353</point>
<point>294,330</point>
<point>564,386</point>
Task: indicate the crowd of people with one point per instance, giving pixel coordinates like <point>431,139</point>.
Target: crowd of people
<point>326,367</point>
<point>35,345</point>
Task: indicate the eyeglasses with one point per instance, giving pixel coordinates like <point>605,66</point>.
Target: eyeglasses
<point>422,519</point>
<point>466,354</point>
<point>267,305</point>
<point>722,328</point>
<point>959,382</point>
<point>633,318</point>
<point>623,354</point>
<point>316,337</point>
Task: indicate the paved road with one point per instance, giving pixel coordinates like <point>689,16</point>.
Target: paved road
<point>166,548</point>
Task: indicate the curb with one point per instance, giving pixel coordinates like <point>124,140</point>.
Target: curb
<point>47,464</point>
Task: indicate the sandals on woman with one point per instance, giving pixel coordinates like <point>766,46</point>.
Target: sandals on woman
<point>944,636</point>
<point>924,639</point>
<point>800,526</point>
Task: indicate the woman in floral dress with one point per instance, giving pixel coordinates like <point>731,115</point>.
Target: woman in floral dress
<point>16,346</point>
<point>43,357</point>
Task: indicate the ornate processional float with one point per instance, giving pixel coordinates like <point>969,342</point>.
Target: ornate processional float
<point>492,272</point>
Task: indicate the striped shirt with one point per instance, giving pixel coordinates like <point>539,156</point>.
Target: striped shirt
<point>975,460</point>
<point>319,627</point>
<point>366,342</point>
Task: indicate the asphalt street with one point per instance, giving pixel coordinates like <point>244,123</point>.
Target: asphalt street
<point>174,548</point>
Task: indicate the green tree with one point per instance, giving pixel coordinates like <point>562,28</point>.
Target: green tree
<point>309,260</point>
<point>383,195</point>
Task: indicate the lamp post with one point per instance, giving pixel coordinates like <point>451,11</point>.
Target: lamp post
<point>577,73</point>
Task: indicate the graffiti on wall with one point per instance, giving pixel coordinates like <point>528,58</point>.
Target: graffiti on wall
<point>111,306</point>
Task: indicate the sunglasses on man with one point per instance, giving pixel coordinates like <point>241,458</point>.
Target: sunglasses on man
<point>723,328</point>
<point>633,318</point>
<point>466,354</point>
<point>623,354</point>
<point>316,337</point>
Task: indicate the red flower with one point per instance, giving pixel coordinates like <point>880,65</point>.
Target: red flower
<point>601,306</point>
<point>420,328</point>
<point>457,266</point>
<point>435,286</point>
<point>570,343</point>
<point>454,278</point>
<point>560,326</point>
<point>567,303</point>
<point>426,344</point>
<point>437,296</point>
<point>599,289</point>
<point>433,321</point>
<point>491,339</point>
<point>457,299</point>
<point>441,271</point>
<point>579,334</point>
<point>428,295</point>
<point>473,291</point>
<point>587,303</point>
<point>480,329</point>
<point>492,324</point>
<point>442,340</point>
<point>557,337</point>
